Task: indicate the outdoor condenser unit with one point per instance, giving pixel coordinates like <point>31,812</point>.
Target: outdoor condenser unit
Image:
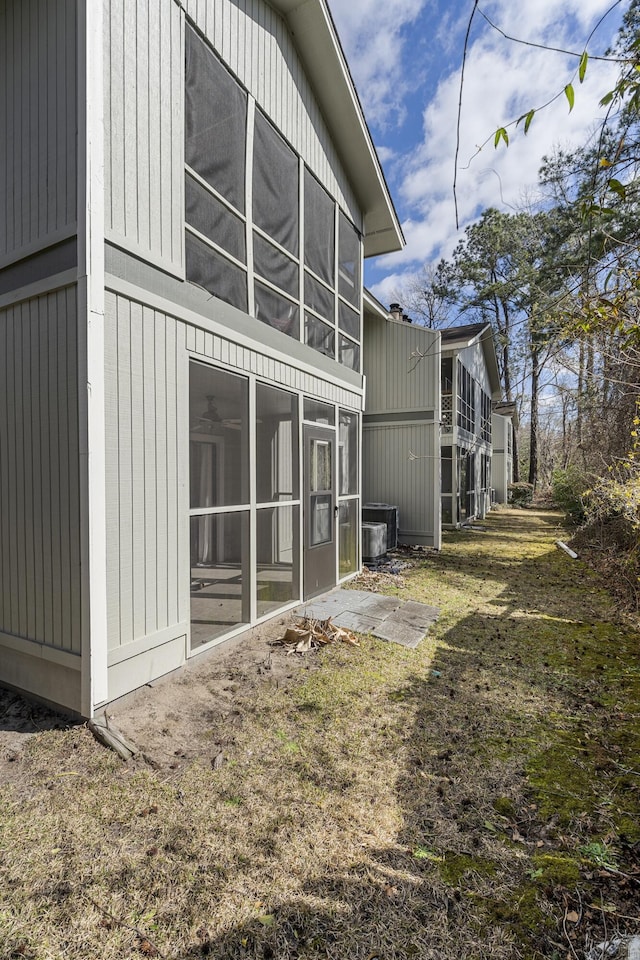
<point>384,513</point>
<point>374,540</point>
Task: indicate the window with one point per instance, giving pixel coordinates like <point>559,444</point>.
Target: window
<point>256,256</point>
<point>485,416</point>
<point>215,122</point>
<point>466,399</point>
<point>215,148</point>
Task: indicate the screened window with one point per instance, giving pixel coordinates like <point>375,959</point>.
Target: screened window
<point>349,513</point>
<point>349,262</point>
<point>219,438</point>
<point>319,227</point>
<point>213,219</point>
<point>275,266</point>
<point>275,185</point>
<point>277,311</point>
<point>349,321</point>
<point>349,353</point>
<point>319,335</point>
<point>215,273</point>
<point>215,122</point>
<point>276,445</point>
<point>485,416</point>
<point>317,297</point>
<point>466,399</point>
<point>348,453</point>
<point>318,412</point>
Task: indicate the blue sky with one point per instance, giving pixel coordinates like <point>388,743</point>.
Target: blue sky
<point>405,56</point>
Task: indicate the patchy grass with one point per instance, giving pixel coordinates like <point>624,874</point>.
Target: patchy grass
<point>477,797</point>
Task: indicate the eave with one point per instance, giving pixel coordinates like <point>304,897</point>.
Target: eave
<point>318,45</point>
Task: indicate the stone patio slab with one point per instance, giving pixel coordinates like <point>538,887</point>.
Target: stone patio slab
<point>360,622</point>
<point>398,631</point>
<point>377,605</point>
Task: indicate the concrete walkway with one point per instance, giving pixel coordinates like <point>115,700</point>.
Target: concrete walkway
<point>389,618</point>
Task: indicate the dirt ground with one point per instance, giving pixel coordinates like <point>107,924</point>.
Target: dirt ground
<point>167,719</point>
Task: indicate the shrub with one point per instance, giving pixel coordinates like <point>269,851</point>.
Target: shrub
<point>520,494</point>
<point>568,487</point>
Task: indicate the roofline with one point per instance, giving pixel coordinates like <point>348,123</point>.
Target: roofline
<point>485,337</point>
<point>316,39</point>
<point>374,306</point>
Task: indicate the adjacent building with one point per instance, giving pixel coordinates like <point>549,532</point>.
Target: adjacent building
<point>189,188</point>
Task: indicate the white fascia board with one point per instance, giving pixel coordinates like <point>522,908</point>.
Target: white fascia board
<point>317,42</point>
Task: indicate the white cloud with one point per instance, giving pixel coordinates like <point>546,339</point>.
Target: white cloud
<point>374,37</point>
<point>502,81</point>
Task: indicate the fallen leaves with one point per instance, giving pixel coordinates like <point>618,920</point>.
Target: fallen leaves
<point>315,633</point>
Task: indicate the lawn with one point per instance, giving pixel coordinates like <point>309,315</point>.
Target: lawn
<point>478,797</point>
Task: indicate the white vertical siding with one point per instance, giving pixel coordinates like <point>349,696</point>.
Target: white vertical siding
<point>398,468</point>
<point>402,365</point>
<point>37,124</point>
<point>146,469</point>
<point>144,95</point>
<point>40,594</point>
<point>254,41</point>
<point>144,111</point>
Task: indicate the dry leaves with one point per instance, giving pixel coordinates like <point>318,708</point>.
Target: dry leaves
<point>315,633</point>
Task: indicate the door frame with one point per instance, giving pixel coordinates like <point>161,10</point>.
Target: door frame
<point>318,558</point>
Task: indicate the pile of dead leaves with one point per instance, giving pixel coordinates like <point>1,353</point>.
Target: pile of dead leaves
<point>315,633</point>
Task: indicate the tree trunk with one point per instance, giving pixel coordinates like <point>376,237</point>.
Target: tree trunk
<point>533,444</point>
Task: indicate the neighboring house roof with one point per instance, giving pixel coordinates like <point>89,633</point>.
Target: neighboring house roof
<point>457,338</point>
<point>507,408</point>
<point>372,306</point>
<point>318,44</point>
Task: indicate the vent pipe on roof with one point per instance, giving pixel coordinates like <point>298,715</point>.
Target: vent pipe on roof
<point>407,318</point>
<point>396,311</point>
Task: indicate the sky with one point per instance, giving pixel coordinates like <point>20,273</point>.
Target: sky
<point>406,57</point>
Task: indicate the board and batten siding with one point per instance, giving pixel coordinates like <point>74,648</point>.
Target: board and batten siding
<point>144,128</point>
<point>40,590</point>
<point>144,111</point>
<point>146,472</point>
<point>254,40</point>
<point>398,468</point>
<point>38,108</point>
<point>402,365</point>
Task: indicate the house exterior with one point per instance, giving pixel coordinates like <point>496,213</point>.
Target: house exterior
<point>190,190</point>
<point>470,384</point>
<point>401,427</point>
<point>503,424</point>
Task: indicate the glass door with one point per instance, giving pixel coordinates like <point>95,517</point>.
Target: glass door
<point>320,510</point>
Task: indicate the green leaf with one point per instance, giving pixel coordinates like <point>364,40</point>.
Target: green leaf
<point>570,95</point>
<point>616,187</point>
<point>606,100</point>
<point>582,69</point>
<point>501,134</point>
<point>527,122</point>
<point>605,163</point>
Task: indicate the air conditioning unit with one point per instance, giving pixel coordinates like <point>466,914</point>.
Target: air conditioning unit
<point>387,514</point>
<point>374,540</point>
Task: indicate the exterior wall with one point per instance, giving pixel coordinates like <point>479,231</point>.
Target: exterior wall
<point>147,350</point>
<point>463,442</point>
<point>502,461</point>
<point>144,138</point>
<point>37,125</point>
<point>401,430</point>
<point>40,538</point>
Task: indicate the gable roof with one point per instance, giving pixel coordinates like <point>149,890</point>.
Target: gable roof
<point>320,50</point>
<point>457,338</point>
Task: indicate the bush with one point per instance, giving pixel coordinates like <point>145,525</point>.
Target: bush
<point>520,494</point>
<point>568,488</point>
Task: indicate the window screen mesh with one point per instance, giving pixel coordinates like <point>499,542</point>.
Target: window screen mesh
<point>349,353</point>
<point>319,229</point>
<point>215,122</point>
<point>349,321</point>
<point>216,274</point>
<point>349,262</point>
<point>275,266</point>
<point>273,309</point>
<point>275,185</point>
<point>320,336</point>
<point>214,220</point>
<point>318,298</point>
